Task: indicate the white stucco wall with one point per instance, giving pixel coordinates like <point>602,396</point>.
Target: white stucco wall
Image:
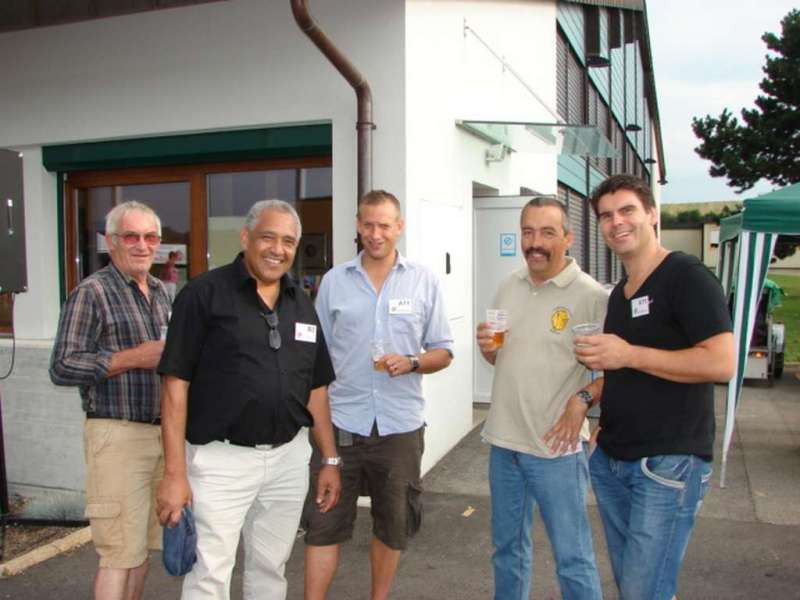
<point>450,76</point>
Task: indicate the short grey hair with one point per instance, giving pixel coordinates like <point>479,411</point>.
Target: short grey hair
<point>539,201</point>
<point>116,214</point>
<point>254,214</point>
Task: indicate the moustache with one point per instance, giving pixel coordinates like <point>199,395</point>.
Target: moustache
<point>537,249</point>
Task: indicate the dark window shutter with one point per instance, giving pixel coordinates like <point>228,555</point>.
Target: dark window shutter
<point>576,207</point>
<point>575,94</point>
<point>561,76</point>
<point>594,269</point>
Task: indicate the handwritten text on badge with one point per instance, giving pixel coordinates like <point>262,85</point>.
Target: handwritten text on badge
<point>305,332</point>
<point>400,306</point>
<point>640,306</point>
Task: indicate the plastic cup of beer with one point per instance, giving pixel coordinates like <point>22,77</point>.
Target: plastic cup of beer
<point>377,351</point>
<point>497,318</point>
<point>587,329</point>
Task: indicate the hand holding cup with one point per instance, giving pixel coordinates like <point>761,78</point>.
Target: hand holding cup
<point>583,330</point>
<point>498,322</point>
<point>377,351</point>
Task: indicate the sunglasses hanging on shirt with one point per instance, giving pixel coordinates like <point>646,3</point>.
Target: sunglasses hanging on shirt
<point>274,335</point>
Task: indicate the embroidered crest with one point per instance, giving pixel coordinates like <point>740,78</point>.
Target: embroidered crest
<point>559,319</point>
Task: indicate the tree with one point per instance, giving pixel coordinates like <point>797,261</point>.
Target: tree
<point>766,145</point>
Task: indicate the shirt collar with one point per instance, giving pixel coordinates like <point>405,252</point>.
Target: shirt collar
<point>355,263</point>
<point>126,279</point>
<point>562,279</point>
<point>242,276</point>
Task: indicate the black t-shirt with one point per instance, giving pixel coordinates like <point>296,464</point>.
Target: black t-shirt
<point>679,305</point>
<point>241,389</point>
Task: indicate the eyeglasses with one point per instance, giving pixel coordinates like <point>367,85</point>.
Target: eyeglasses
<point>129,238</point>
<point>274,335</point>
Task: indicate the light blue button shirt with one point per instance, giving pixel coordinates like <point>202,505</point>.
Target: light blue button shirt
<point>408,315</point>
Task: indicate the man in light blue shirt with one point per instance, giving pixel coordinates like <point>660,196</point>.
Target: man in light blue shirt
<point>378,312</point>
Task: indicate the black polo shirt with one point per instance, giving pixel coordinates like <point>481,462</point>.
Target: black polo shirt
<point>240,389</point>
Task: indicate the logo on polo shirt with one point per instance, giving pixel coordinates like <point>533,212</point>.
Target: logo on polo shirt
<point>559,319</point>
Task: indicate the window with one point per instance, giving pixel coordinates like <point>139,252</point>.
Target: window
<point>561,75</point>
<point>576,208</point>
<point>576,101</point>
<point>202,209</point>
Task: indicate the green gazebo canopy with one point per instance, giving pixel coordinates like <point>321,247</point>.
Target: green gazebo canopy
<point>775,212</point>
<point>746,244</point>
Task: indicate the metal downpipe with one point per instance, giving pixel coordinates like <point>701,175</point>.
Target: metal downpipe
<point>364,124</point>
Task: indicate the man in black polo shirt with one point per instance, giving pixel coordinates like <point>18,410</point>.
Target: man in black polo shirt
<point>246,373</point>
<point>667,338</point>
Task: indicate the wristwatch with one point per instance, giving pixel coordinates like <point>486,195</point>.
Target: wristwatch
<point>586,396</point>
<point>414,361</point>
<point>334,461</point>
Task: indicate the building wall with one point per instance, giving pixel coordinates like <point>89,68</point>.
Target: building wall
<point>689,241</point>
<point>451,76</point>
<point>611,99</point>
<point>788,265</point>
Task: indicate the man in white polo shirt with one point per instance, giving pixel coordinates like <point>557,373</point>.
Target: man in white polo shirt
<point>537,421</point>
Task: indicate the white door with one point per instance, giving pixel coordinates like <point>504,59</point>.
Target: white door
<point>497,253</point>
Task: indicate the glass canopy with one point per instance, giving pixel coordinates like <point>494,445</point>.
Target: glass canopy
<point>543,138</point>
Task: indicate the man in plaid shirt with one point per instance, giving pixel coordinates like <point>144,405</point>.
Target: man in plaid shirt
<point>108,344</point>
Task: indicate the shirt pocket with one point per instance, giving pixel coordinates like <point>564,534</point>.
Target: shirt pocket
<point>408,325</point>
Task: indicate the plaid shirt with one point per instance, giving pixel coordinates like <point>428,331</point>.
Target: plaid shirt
<point>104,314</point>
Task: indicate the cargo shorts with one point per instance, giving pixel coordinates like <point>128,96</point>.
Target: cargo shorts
<point>124,466</point>
<point>385,468</point>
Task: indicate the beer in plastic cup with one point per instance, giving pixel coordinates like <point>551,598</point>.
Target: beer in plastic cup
<point>497,319</point>
<point>376,350</point>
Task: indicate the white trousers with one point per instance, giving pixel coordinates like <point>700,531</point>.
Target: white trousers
<point>249,491</point>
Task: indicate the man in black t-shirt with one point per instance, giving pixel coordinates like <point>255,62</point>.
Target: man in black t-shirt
<point>667,338</point>
<point>246,371</point>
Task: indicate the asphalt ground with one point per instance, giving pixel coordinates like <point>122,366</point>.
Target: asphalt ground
<point>746,544</point>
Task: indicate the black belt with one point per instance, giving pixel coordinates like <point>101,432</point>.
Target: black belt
<point>264,446</point>
<point>156,421</point>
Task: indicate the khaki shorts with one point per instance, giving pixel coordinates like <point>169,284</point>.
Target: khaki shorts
<point>385,468</point>
<point>124,465</point>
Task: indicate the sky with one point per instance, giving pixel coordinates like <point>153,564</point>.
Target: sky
<point>707,56</point>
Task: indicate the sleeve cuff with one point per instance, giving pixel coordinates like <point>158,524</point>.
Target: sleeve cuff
<point>103,365</point>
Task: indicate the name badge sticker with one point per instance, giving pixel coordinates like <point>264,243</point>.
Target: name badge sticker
<point>640,306</point>
<point>305,332</point>
<point>400,306</point>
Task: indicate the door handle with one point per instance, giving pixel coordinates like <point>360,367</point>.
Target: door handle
<point>10,215</point>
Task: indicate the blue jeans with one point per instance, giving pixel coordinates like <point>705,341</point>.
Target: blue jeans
<point>558,485</point>
<point>648,507</point>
